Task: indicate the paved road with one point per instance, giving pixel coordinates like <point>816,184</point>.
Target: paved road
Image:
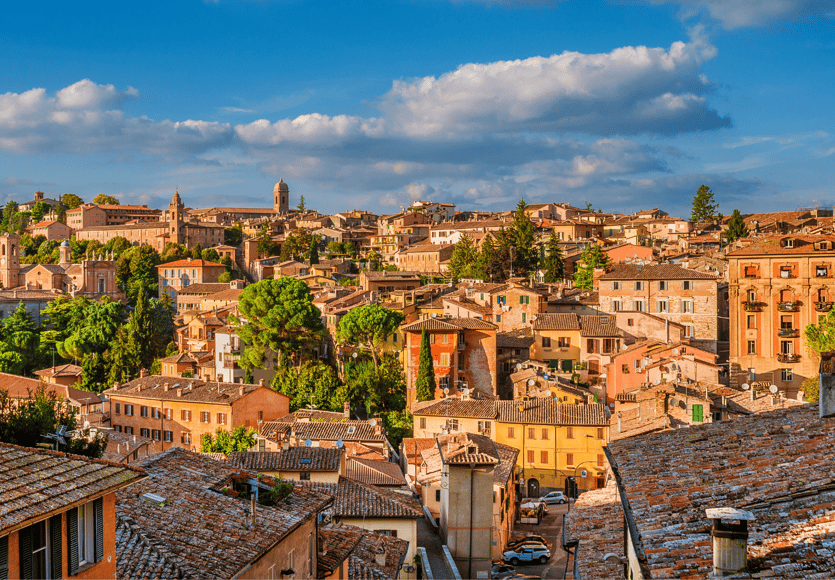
<point>428,538</point>
<point>551,530</point>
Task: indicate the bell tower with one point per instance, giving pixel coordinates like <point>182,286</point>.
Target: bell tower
<point>176,209</point>
<point>9,260</point>
<point>281,197</point>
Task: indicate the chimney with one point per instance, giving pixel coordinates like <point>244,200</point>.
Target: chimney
<point>207,377</point>
<point>143,373</point>
<point>179,392</point>
<point>260,382</point>
<point>730,540</point>
<point>346,409</point>
<point>252,509</point>
<point>380,556</point>
<point>241,390</point>
<point>166,387</point>
<point>826,402</point>
<point>117,385</point>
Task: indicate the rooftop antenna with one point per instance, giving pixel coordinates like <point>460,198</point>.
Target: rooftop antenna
<point>60,432</point>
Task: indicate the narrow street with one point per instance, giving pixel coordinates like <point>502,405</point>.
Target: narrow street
<point>551,530</point>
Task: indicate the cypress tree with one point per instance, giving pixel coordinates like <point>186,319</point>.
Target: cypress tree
<point>554,264</point>
<point>314,250</point>
<point>736,227</point>
<point>141,330</point>
<point>425,385</point>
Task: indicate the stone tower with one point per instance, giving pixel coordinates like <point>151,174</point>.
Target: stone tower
<point>65,254</point>
<point>176,209</point>
<point>281,197</point>
<point>9,260</point>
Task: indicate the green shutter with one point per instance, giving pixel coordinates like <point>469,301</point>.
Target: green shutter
<point>4,558</point>
<point>24,540</point>
<point>521,300</point>
<point>98,516</point>
<point>72,541</point>
<point>567,365</point>
<point>698,413</point>
<point>56,551</point>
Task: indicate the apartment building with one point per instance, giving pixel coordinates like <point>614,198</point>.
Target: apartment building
<point>696,300</point>
<point>178,412</point>
<point>509,306</point>
<point>425,258</point>
<point>463,352</point>
<point>175,276</point>
<point>778,286</point>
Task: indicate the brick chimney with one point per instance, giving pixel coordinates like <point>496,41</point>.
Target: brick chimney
<point>143,373</point>
<point>166,387</point>
<point>346,410</point>
<point>117,385</point>
<point>179,392</point>
<point>260,382</point>
<point>241,390</point>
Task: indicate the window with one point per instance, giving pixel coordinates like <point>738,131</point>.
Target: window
<point>698,413</point>
<point>221,418</point>
<point>786,375</point>
<point>155,413</point>
<point>600,460</point>
<point>687,306</point>
<point>498,318</point>
<point>445,358</point>
<point>169,414</point>
<point>117,408</point>
<point>511,433</point>
<point>531,433</point>
<point>689,331</point>
<point>569,432</point>
<point>639,285</point>
<point>156,435</point>
<point>569,459</point>
<point>129,430</point>
<point>786,347</point>
<point>663,306</point>
<point>423,422</point>
<point>185,438</point>
<point>752,347</point>
<point>610,345</point>
<point>600,433</point>
<point>787,322</point>
<point>630,322</point>
<point>437,495</point>
<point>546,342</point>
<point>185,415</point>
<point>821,271</point>
<point>545,434</point>
<point>752,375</point>
<point>591,345</point>
<point>169,436</point>
<point>143,411</point>
<point>304,476</point>
<point>530,456</point>
<point>564,342</point>
<point>128,410</point>
<point>639,306</point>
<point>752,321</point>
<point>662,285</point>
<point>204,416</point>
<point>786,272</point>
<point>524,318</point>
<point>484,428</point>
<point>687,285</point>
<point>617,305</point>
<point>615,285</point>
<point>445,339</point>
<point>543,457</point>
<point>452,424</point>
<point>752,296</point>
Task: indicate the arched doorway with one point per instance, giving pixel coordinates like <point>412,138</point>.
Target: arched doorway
<point>533,488</point>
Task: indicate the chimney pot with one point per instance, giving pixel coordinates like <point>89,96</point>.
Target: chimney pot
<point>346,409</point>
<point>117,385</point>
<point>241,390</point>
<point>166,387</point>
<point>143,372</point>
<point>260,382</point>
<point>179,392</point>
<point>730,540</point>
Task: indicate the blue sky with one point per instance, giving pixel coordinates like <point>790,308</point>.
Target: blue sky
<point>625,105</point>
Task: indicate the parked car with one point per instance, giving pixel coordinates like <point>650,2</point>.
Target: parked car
<point>526,540</point>
<point>501,571</point>
<point>539,554</point>
<point>555,497</point>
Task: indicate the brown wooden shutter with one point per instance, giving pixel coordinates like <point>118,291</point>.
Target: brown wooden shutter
<point>56,551</point>
<point>24,540</point>
<point>98,516</point>
<point>72,541</point>
<point>4,558</point>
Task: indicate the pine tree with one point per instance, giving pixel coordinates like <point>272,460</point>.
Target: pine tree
<point>704,207</point>
<point>554,264</point>
<point>522,238</point>
<point>736,227</point>
<point>425,386</point>
<point>593,257</point>
<point>141,331</point>
<point>462,263</point>
<point>302,207</point>
<point>314,250</point>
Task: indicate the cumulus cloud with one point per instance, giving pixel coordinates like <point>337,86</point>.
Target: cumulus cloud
<point>738,14</point>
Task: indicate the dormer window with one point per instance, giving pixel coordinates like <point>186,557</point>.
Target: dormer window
<point>823,245</point>
<point>789,243</point>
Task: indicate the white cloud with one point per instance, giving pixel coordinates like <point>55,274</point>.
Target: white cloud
<point>744,13</point>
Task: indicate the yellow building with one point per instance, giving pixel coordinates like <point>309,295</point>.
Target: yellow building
<point>557,341</point>
<point>555,440</point>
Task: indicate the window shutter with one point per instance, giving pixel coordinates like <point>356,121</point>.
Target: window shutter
<point>4,558</point>
<point>56,551</point>
<point>72,541</point>
<point>24,540</point>
<point>98,515</point>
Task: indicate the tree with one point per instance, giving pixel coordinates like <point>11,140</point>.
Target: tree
<point>314,250</point>
<point>425,385</point>
<point>240,439</point>
<point>736,227</point>
<point>522,237</point>
<point>593,257</point>
<point>70,200</point>
<point>703,206</point>
<point>24,422</point>
<point>821,337</point>
<point>463,262</point>
<point>103,199</point>
<point>374,260</point>
<point>314,385</point>
<point>141,332</point>
<point>398,424</point>
<point>302,207</point>
<point>21,336</point>
<point>61,212</point>
<point>266,247</point>
<point>811,388</point>
<point>210,255</point>
<point>233,236</point>
<point>122,358</point>
<point>278,316</point>
<point>39,210</point>
<point>296,245</point>
<point>368,327</point>
<point>554,264</point>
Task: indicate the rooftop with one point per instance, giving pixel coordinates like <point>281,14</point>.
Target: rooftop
<point>655,272</point>
<point>185,390</point>
<point>544,411</point>
<point>290,459</point>
<point>375,472</point>
<point>353,499</point>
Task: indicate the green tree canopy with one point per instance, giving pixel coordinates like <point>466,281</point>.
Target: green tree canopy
<point>821,337</point>
<point>103,199</point>
<point>593,257</point>
<point>425,385</point>
<point>70,200</point>
<point>226,442</point>
<point>302,206</point>
<point>233,236</point>
<point>367,327</point>
<point>554,264</point>
<point>279,316</point>
<point>313,255</point>
<point>522,241</point>
<point>736,227</point>
<point>704,207</point>
<point>375,259</point>
<point>39,210</point>
<point>464,260</point>
<point>313,385</point>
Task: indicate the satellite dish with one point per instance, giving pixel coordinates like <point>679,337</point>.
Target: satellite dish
<point>546,377</point>
<point>611,405</point>
<point>657,381</point>
<point>518,366</point>
<point>340,444</point>
<point>673,402</point>
<point>373,422</point>
<point>675,351</point>
<point>531,382</point>
<point>308,443</point>
<point>773,389</point>
<point>446,391</point>
<point>745,386</point>
<point>466,391</point>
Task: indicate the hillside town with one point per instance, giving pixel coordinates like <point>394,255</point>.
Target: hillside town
<point>273,392</point>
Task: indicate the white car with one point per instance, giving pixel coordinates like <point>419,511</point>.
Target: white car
<point>553,497</point>
<point>527,553</point>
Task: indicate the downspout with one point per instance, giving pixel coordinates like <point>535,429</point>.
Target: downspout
<point>470,552</point>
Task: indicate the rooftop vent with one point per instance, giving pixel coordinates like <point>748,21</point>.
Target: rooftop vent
<point>154,498</point>
<point>730,540</point>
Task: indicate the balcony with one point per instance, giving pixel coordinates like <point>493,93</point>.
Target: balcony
<point>788,358</point>
<point>788,333</point>
<point>462,345</point>
<point>788,306</point>
<point>752,306</point>
<point>823,306</point>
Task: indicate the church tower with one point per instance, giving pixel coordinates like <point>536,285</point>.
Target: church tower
<point>176,209</point>
<point>281,197</point>
<point>9,260</point>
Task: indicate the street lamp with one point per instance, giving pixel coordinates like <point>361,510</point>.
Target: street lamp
<point>575,478</point>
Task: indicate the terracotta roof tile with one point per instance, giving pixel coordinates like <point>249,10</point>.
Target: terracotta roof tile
<point>356,499</point>
<point>291,459</point>
<point>374,472</point>
<point>655,272</point>
<point>556,322</point>
<point>192,390</point>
